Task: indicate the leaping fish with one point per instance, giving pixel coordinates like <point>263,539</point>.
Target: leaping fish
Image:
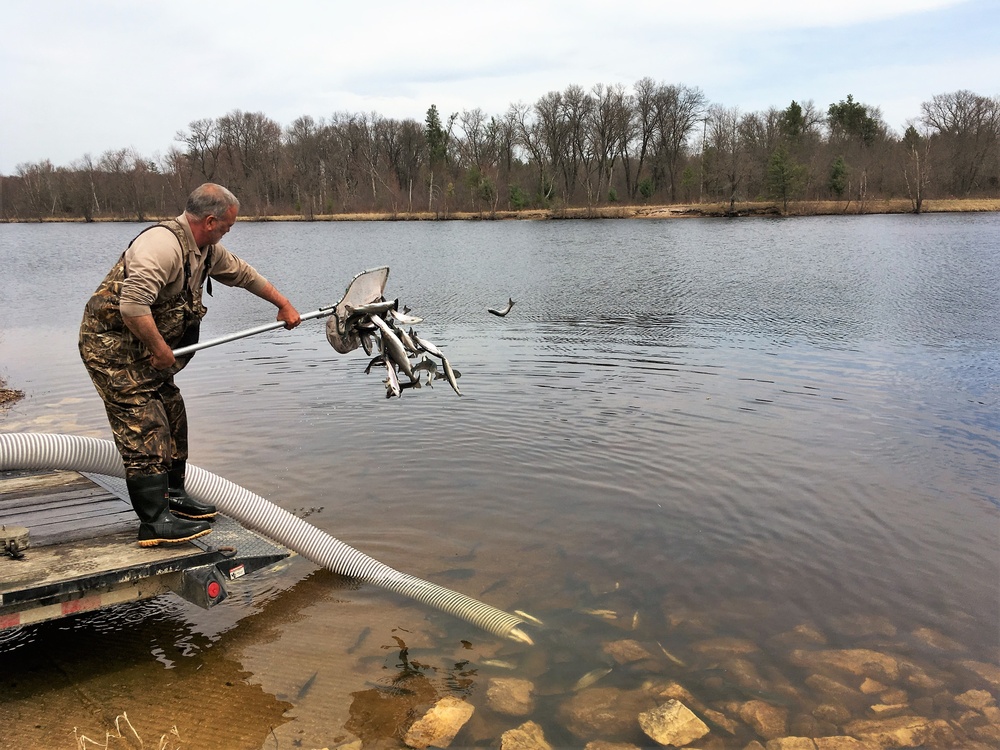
<point>450,375</point>
<point>426,363</point>
<point>409,343</point>
<point>502,313</point>
<point>404,317</point>
<point>426,345</point>
<point>392,381</point>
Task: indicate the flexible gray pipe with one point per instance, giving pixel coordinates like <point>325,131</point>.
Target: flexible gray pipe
<point>32,450</point>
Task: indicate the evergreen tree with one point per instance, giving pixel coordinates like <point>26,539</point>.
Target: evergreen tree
<point>838,177</point>
<point>784,176</point>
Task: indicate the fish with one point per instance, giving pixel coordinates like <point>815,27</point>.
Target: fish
<point>361,639</point>
<point>502,313</point>
<point>426,363</point>
<point>670,656</point>
<point>426,345</point>
<point>378,359</point>
<point>373,308</point>
<point>404,317</point>
<point>591,677</point>
<point>407,342</point>
<point>306,687</point>
<point>392,382</point>
<point>450,375</point>
<point>366,342</point>
<point>526,616</point>
<point>607,614</point>
<point>393,346</point>
<point>516,634</point>
<point>498,663</point>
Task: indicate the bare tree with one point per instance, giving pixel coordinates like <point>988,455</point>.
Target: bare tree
<point>968,126</point>
<point>725,154</point>
<point>676,111</point>
<point>916,169</point>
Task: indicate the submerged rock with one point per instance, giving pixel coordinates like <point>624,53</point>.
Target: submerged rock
<point>799,636</point>
<point>904,731</point>
<point>723,647</point>
<point>990,673</point>
<point>842,742</point>
<point>673,723</point>
<point>791,743</point>
<point>885,711</point>
<point>603,712</point>
<point>440,724</point>
<point>857,661</point>
<point>832,688</point>
<point>528,736</point>
<point>511,696</point>
<point>938,640</point>
<point>626,651</point>
<point>865,626</point>
<point>977,699</point>
<point>770,722</point>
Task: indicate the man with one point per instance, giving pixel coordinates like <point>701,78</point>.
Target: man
<point>149,304</point>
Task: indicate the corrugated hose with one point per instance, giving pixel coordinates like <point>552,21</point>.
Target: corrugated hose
<point>32,450</point>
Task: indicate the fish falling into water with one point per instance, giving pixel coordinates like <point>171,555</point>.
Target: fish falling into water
<point>502,313</point>
<point>381,322</point>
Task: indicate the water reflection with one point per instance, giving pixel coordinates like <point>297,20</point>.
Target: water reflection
<point>703,453</point>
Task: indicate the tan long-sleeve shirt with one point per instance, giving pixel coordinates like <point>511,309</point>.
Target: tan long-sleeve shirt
<point>154,268</point>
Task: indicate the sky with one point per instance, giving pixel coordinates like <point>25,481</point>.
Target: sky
<point>81,77</point>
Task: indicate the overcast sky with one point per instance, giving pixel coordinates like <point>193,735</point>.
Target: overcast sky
<point>84,76</point>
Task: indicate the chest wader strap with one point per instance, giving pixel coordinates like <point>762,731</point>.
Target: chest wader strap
<point>187,259</point>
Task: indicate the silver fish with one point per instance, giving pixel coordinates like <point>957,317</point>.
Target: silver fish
<point>404,318</point>
<point>392,382</point>
<point>366,342</point>
<point>426,345</point>
<point>450,375</point>
<point>529,618</point>
<point>426,363</point>
<point>498,663</point>
<point>378,359</point>
<point>393,346</point>
<point>409,343</point>
<point>373,308</point>
<point>502,313</point>
<point>670,656</point>
<point>591,677</point>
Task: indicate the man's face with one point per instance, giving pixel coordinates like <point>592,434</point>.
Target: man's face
<point>218,226</point>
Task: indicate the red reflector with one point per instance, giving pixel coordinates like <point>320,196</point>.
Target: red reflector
<point>214,589</point>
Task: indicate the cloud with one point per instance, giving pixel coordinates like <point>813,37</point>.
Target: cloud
<point>87,76</point>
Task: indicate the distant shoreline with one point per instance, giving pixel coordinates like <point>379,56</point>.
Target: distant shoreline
<point>679,210</point>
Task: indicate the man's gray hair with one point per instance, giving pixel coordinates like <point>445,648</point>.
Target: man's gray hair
<point>210,200</point>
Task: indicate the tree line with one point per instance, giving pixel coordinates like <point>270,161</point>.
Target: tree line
<point>653,143</point>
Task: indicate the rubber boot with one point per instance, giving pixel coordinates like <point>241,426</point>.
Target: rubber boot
<point>157,525</point>
<point>181,503</point>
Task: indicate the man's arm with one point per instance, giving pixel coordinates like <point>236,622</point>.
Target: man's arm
<point>144,327</point>
<point>286,312</point>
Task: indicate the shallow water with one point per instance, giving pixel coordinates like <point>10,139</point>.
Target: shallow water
<point>684,430</point>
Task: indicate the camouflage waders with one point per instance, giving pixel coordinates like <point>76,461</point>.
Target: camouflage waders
<point>144,407</point>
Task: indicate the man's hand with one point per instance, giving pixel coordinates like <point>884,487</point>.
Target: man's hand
<point>144,327</point>
<point>289,315</point>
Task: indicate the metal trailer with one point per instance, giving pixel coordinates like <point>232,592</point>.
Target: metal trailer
<point>68,545</point>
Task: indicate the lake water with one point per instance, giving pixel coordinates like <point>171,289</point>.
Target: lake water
<point>721,439</point>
